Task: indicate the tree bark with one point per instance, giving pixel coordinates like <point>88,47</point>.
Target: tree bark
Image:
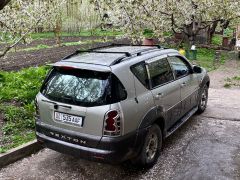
<point>57,31</point>
<point>211,31</point>
<point>190,34</point>
<point>3,3</point>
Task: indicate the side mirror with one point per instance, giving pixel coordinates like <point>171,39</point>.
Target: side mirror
<point>197,69</point>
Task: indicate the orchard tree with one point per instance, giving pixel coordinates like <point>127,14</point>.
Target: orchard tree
<point>55,17</point>
<point>186,16</point>
<point>134,16</point>
<point>226,13</point>
<point>19,18</point>
<point>190,17</point>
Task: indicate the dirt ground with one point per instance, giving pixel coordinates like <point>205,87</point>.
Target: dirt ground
<point>206,147</point>
<point>19,60</point>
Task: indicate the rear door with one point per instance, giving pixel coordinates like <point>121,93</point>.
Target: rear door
<point>187,80</point>
<point>75,100</point>
<point>165,91</point>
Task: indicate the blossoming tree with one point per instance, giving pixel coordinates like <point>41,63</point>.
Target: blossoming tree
<point>186,16</point>
<point>20,17</point>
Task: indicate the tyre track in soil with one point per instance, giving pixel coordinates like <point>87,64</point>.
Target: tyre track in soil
<point>19,60</point>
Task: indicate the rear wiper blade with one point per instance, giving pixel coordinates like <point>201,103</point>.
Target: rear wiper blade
<point>56,105</point>
<point>70,98</point>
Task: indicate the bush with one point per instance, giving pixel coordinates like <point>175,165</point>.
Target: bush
<point>21,86</point>
<point>17,94</point>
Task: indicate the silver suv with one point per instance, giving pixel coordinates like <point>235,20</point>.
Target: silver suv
<point>117,103</point>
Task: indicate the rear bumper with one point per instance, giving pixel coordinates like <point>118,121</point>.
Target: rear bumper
<point>107,149</point>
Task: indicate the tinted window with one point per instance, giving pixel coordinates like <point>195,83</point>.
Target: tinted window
<point>179,66</point>
<point>160,72</point>
<point>83,87</point>
<point>140,72</point>
<point>118,91</point>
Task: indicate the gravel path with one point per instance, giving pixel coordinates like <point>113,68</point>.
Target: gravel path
<point>203,148</point>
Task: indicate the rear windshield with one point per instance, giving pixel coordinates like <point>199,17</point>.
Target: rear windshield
<point>83,87</point>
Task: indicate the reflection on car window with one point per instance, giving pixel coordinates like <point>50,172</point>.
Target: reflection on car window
<point>160,72</point>
<point>179,67</point>
<point>83,87</point>
<point>85,90</point>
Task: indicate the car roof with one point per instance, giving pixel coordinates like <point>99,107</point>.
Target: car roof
<point>108,56</point>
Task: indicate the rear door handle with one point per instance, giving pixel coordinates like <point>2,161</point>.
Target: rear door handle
<point>183,84</point>
<point>158,96</point>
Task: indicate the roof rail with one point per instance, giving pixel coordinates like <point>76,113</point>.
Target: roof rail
<point>158,46</point>
<point>94,50</point>
<point>138,53</point>
<point>109,52</point>
<point>118,60</point>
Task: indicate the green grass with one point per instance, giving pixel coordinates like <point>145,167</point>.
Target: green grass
<point>38,47</point>
<point>95,32</point>
<point>168,34</point>
<point>86,33</point>
<point>82,42</point>
<point>232,82</point>
<point>72,43</point>
<point>22,85</point>
<point>227,85</point>
<point>205,58</point>
<point>236,78</point>
<point>43,46</point>
<point>217,40</point>
<point>19,125</point>
<point>17,94</point>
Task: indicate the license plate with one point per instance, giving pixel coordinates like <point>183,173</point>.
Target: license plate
<point>67,118</point>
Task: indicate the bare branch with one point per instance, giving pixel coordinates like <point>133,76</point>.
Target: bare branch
<point>7,49</point>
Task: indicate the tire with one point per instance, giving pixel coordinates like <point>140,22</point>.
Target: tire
<point>151,148</point>
<point>203,99</point>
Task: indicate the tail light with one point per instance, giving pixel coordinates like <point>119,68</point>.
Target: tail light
<point>112,123</point>
<point>37,114</point>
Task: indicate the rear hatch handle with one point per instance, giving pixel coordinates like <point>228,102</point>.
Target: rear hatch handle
<point>56,105</point>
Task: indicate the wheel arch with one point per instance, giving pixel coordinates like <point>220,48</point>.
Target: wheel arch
<point>154,116</point>
<point>161,123</point>
<point>208,84</point>
<point>205,81</point>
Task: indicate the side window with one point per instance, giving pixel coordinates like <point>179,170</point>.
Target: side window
<point>140,71</point>
<point>180,68</point>
<point>160,72</point>
<point>118,91</point>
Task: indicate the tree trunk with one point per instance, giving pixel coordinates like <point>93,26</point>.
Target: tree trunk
<point>211,31</point>
<point>57,31</point>
<point>190,35</point>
